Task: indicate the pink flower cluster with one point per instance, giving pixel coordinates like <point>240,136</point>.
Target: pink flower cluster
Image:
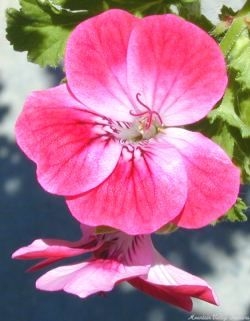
<point>112,142</point>
<point>109,140</point>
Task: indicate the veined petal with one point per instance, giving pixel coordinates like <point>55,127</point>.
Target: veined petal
<point>173,285</point>
<point>177,67</point>
<point>95,63</point>
<point>213,180</point>
<point>163,293</point>
<point>63,139</point>
<point>146,190</point>
<point>52,250</point>
<point>165,274</point>
<point>87,278</point>
<point>56,279</point>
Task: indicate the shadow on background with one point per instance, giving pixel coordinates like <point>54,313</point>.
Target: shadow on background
<point>28,213</point>
<point>4,109</point>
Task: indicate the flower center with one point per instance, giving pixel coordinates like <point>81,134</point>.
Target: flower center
<point>147,124</point>
<point>119,246</point>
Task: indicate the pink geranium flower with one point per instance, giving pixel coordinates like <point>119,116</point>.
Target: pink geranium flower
<point>108,139</point>
<point>115,258</point>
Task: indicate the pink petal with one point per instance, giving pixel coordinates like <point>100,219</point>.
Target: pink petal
<point>63,139</point>
<point>177,67</point>
<point>84,279</point>
<point>179,281</point>
<point>51,251</point>
<point>164,281</point>
<point>95,63</point>
<point>170,284</point>
<point>166,295</point>
<point>146,190</point>
<point>213,180</point>
<point>56,279</point>
<point>46,248</point>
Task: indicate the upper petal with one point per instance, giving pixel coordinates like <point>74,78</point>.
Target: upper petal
<point>177,67</point>
<point>213,180</point>
<point>146,190</point>
<point>87,278</point>
<point>95,63</point>
<point>65,142</point>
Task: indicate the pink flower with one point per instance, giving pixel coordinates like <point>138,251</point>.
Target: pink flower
<point>108,139</point>
<point>115,258</point>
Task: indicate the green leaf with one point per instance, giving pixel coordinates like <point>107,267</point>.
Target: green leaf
<point>41,28</point>
<point>226,112</point>
<point>56,7</point>
<point>140,7</point>
<point>243,107</point>
<point>236,43</point>
<point>239,59</point>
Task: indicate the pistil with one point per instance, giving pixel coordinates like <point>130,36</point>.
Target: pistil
<point>147,124</point>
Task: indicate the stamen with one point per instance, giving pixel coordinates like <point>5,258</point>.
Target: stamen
<point>140,102</point>
<point>148,111</point>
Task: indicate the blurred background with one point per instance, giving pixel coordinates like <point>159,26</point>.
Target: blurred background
<point>220,255</point>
